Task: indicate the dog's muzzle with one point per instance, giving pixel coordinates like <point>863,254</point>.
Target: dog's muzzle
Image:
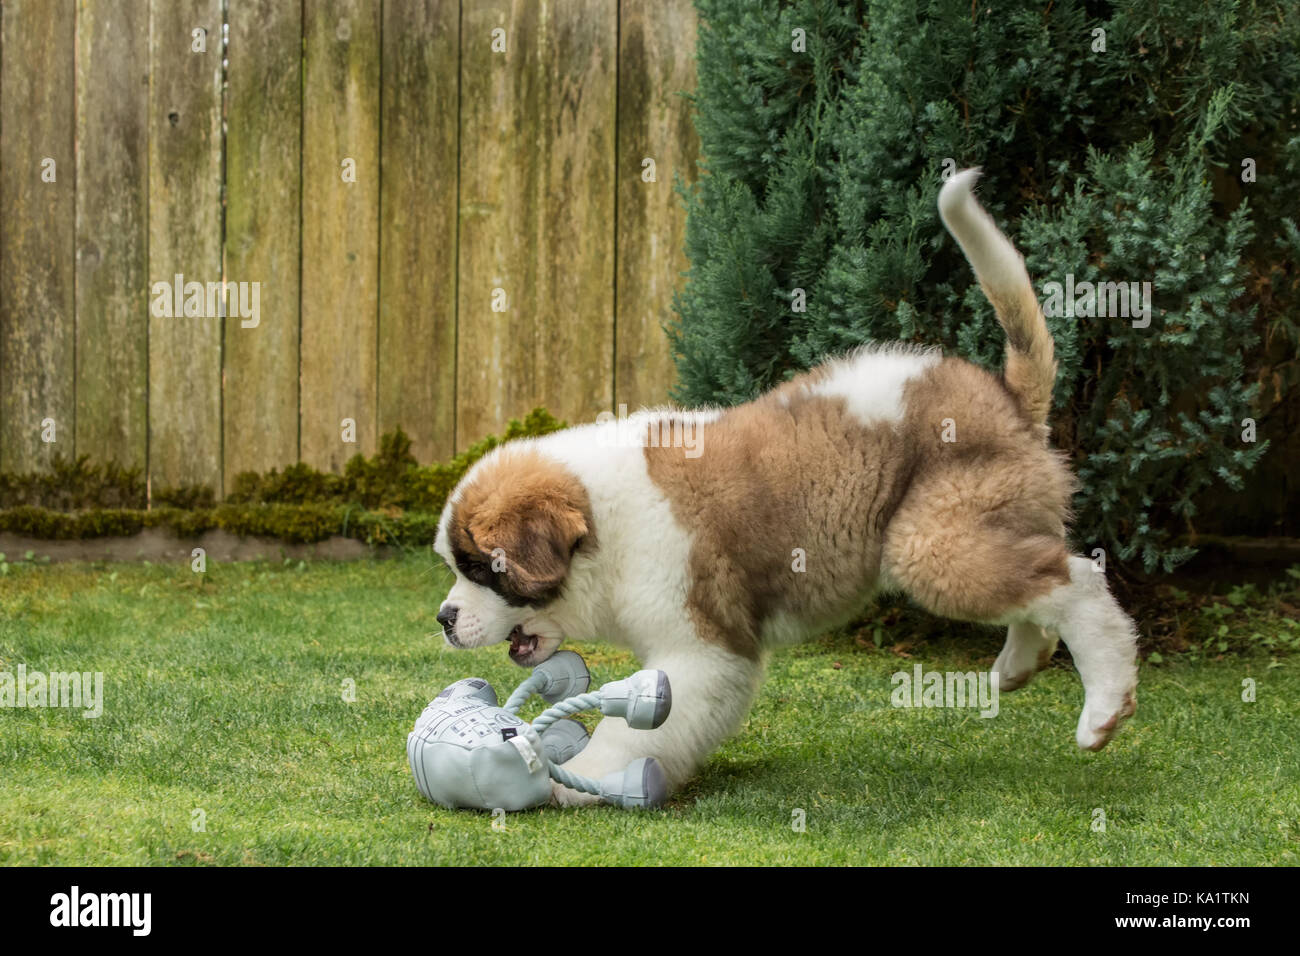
<point>447,618</point>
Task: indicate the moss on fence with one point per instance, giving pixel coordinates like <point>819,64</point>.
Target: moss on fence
<point>385,499</point>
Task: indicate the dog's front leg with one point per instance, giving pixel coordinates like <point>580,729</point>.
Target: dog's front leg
<point>712,690</point>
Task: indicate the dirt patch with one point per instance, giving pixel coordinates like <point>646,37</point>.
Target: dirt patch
<point>156,544</point>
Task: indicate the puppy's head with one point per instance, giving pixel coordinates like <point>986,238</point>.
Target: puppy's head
<point>510,532</point>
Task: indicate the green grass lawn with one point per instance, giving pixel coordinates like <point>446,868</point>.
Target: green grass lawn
<point>224,693</point>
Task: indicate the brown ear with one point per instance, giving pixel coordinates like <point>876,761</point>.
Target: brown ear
<point>535,543</point>
<point>530,514</point>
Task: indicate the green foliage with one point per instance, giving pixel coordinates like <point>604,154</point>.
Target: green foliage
<point>386,499</point>
<point>823,167</point>
<point>297,484</point>
<point>184,497</point>
<point>391,479</point>
<point>1211,623</point>
<point>293,523</point>
<point>74,484</point>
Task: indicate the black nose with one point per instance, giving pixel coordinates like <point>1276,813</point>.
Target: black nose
<point>447,617</point>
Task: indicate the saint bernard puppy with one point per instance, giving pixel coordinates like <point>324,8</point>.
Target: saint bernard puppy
<point>891,469</point>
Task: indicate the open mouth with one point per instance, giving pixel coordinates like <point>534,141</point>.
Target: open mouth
<point>522,646</point>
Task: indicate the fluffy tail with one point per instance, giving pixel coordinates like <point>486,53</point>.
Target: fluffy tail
<point>1031,366</point>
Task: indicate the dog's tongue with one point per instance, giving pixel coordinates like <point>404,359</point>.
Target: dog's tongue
<point>521,642</point>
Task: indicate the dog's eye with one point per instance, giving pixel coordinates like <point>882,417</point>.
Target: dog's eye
<point>473,567</point>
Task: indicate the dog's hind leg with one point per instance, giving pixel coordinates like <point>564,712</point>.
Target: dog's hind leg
<point>965,555</point>
<point>1026,652</point>
<point>1103,642</point>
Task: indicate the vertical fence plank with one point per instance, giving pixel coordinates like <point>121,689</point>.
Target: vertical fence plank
<point>499,100</point>
<point>185,240</point>
<point>37,308</point>
<point>417,284</point>
<point>656,63</point>
<point>112,376</point>
<point>340,222</point>
<point>575,247</point>
<point>263,241</point>
<point>536,209</point>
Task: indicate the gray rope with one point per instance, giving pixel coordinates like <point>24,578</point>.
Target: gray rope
<point>574,781</point>
<point>523,692</point>
<point>549,716</point>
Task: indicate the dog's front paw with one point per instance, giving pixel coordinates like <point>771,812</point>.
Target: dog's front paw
<point>562,796</point>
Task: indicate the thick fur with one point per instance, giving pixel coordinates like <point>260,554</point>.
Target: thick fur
<point>887,469</point>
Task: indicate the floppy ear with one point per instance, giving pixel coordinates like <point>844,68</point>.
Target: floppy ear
<point>536,538</point>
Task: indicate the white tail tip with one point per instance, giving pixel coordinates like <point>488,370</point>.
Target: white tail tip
<point>956,193</point>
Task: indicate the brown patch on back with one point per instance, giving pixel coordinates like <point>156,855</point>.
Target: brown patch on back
<point>788,470</point>
<point>971,529</point>
<point>531,508</point>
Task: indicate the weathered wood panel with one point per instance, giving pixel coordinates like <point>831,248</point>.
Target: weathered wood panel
<point>656,65</point>
<point>185,240</point>
<point>417,282</point>
<point>340,222</point>
<point>536,211</point>
<point>112,378</point>
<point>494,369</point>
<point>263,239</point>
<point>37,201</point>
<point>498,169</point>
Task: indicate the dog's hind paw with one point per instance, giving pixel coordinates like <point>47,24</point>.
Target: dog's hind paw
<point>1094,733</point>
<point>1021,659</point>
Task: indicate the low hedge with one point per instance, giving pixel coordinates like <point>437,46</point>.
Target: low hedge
<point>387,499</point>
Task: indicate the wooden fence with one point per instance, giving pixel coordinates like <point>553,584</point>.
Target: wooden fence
<point>452,211</point>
